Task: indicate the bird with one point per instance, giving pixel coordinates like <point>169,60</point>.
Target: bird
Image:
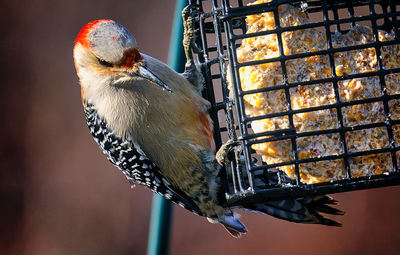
<point>153,124</point>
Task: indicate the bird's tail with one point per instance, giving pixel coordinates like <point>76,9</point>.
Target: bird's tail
<point>300,210</point>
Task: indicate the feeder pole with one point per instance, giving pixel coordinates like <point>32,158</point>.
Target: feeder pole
<point>161,213</point>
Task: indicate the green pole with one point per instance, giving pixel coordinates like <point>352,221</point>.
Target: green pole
<point>161,213</point>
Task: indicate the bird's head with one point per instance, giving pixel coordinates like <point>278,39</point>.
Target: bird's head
<point>106,52</point>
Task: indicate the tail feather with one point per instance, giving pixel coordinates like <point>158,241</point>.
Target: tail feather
<point>321,199</point>
<point>326,221</point>
<point>234,232</point>
<point>302,210</point>
<point>321,204</point>
<point>327,209</point>
<point>231,223</point>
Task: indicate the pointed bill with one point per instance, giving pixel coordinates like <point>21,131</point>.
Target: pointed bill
<point>145,73</point>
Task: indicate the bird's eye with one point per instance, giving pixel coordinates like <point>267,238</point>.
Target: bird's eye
<point>104,63</point>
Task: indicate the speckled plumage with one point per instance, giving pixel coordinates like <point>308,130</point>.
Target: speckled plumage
<point>131,160</point>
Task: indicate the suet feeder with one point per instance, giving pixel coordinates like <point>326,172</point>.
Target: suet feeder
<point>222,28</point>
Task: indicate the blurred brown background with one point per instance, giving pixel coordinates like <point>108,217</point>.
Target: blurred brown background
<point>58,193</point>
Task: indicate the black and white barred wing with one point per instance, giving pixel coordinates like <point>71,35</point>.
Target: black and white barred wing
<point>133,162</point>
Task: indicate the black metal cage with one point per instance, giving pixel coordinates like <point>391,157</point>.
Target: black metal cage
<point>221,29</point>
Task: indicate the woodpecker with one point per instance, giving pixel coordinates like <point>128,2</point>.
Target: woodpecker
<point>152,123</point>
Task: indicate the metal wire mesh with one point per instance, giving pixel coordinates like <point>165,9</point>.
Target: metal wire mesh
<point>221,27</point>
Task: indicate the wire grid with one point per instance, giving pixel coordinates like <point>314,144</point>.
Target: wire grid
<point>218,38</point>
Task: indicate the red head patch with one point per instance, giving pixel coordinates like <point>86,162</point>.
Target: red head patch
<point>82,37</point>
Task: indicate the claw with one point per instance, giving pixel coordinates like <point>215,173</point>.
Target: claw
<point>188,35</point>
<point>188,15</point>
<point>192,73</point>
<point>225,154</point>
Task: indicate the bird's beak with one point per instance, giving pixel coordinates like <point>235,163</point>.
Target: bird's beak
<point>145,73</point>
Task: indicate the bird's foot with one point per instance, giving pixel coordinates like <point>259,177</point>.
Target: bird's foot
<point>227,153</point>
<point>192,72</point>
<point>189,36</point>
